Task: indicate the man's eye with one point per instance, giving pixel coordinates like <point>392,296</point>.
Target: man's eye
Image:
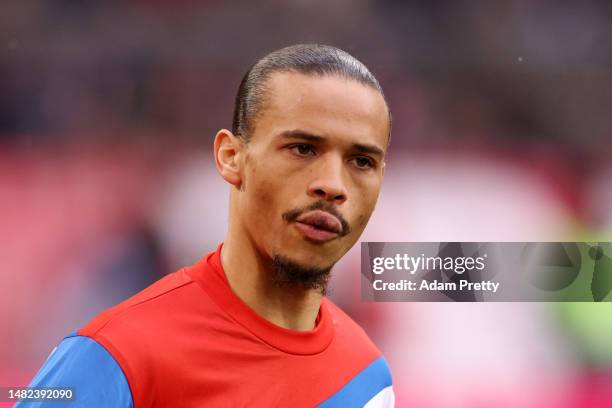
<point>364,162</point>
<point>302,149</point>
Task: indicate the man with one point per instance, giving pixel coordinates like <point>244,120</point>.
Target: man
<point>249,325</point>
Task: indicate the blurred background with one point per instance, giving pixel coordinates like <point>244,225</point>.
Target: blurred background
<point>502,129</point>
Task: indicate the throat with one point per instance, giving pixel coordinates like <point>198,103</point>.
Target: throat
<point>277,290</point>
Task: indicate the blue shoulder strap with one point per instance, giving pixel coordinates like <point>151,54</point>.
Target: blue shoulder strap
<point>372,387</point>
<point>84,365</point>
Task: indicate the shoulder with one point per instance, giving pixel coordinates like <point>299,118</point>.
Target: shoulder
<point>143,327</point>
<point>353,348</point>
<point>370,382</point>
<point>348,331</point>
<point>88,370</point>
<point>142,307</point>
<point>142,332</point>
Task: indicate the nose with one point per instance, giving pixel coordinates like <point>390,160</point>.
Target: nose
<point>328,184</point>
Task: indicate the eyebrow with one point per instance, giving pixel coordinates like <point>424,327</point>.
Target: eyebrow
<point>303,135</point>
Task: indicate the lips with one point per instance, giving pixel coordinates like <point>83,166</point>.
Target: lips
<point>319,226</point>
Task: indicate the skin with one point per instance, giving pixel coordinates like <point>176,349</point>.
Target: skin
<point>304,148</point>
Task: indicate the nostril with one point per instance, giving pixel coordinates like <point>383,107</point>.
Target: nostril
<point>328,194</point>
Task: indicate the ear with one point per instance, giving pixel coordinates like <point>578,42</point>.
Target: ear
<point>228,155</point>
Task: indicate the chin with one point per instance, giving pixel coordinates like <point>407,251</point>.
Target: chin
<point>315,256</point>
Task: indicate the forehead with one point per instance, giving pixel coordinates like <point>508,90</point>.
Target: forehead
<point>331,106</point>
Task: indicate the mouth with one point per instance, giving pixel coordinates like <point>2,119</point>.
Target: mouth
<point>319,226</point>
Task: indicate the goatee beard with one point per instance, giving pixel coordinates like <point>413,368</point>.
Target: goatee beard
<point>290,274</point>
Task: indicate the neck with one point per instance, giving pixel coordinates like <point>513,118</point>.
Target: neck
<point>249,274</point>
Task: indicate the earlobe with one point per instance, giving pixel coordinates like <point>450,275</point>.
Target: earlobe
<point>228,153</point>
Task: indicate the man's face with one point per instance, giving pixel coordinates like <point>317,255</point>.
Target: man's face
<point>313,167</point>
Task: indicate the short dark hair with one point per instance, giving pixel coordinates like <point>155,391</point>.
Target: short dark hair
<point>308,59</point>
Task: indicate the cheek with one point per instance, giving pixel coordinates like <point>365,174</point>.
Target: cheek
<point>361,221</point>
<point>260,191</point>
<point>264,192</point>
<point>365,210</point>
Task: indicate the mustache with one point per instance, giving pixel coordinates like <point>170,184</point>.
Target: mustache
<point>292,215</point>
